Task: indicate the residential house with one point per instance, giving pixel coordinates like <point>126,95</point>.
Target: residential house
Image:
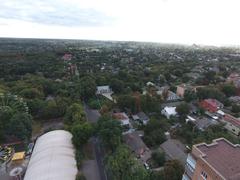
<point>235,99</point>
<point>122,117</point>
<point>198,69</point>
<point>171,96</point>
<point>72,69</point>
<point>216,161</point>
<point>137,146</point>
<point>214,69</point>
<point>232,124</point>
<point>161,90</point>
<point>235,79</point>
<point>150,84</point>
<point>169,111</point>
<point>211,105</point>
<point>193,108</point>
<point>67,57</point>
<point>174,149</point>
<point>181,90</point>
<point>192,75</point>
<point>201,123</point>
<point>103,89</point>
<point>141,117</point>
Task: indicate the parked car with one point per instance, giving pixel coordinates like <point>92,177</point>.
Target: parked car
<point>146,166</point>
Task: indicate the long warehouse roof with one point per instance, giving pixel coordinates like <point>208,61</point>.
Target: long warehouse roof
<point>53,158</point>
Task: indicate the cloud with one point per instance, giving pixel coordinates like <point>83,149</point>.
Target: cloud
<point>53,12</point>
<point>173,21</point>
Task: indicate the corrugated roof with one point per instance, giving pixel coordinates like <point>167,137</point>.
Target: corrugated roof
<point>53,158</point>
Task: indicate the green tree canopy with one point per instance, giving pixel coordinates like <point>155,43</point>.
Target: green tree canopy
<point>173,170</point>
<point>20,126</point>
<point>74,113</point>
<point>31,93</point>
<point>150,104</point>
<point>210,92</point>
<point>81,133</point>
<point>183,109</point>
<point>154,132</point>
<point>117,85</point>
<point>110,132</point>
<point>122,166</point>
<point>86,87</point>
<point>229,90</point>
<point>189,95</point>
<point>159,158</point>
<point>236,108</point>
<point>126,101</point>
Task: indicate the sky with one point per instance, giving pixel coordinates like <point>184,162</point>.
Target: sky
<point>206,22</point>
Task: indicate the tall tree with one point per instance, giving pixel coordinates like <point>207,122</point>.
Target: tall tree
<point>20,126</point>
<point>210,92</point>
<point>81,133</point>
<point>150,104</point>
<point>158,157</point>
<point>173,170</point>
<point>86,87</point>
<point>154,132</point>
<point>75,113</point>
<point>183,109</point>
<point>189,95</point>
<point>110,132</point>
<point>5,115</point>
<point>127,101</point>
<point>229,90</point>
<point>122,166</point>
<point>117,85</point>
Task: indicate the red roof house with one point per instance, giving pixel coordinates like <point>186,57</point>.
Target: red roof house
<point>67,57</point>
<point>211,105</point>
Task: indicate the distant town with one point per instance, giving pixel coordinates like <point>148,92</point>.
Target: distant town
<point>103,110</point>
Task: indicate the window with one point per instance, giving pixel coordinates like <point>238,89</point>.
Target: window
<point>204,175</point>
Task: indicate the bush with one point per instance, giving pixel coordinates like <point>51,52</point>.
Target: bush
<point>80,177</point>
<point>235,108</point>
<point>94,104</point>
<point>173,170</point>
<point>79,157</point>
<point>154,132</point>
<point>159,158</point>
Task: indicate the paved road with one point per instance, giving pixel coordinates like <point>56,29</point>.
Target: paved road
<point>93,116</point>
<point>99,158</point>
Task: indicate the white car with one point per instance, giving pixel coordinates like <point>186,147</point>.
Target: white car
<point>146,166</point>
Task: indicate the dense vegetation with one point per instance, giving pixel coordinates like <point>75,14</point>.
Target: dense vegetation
<point>38,86</point>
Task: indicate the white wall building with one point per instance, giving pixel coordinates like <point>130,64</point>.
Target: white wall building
<point>169,111</point>
<point>103,89</point>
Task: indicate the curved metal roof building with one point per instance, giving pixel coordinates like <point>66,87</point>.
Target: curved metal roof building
<point>53,158</point>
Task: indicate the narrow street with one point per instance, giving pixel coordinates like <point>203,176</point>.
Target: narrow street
<point>93,116</point>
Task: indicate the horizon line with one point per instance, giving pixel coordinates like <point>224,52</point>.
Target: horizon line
<point>128,41</point>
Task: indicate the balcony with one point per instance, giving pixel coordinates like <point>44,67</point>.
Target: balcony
<point>185,177</point>
<point>189,171</point>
